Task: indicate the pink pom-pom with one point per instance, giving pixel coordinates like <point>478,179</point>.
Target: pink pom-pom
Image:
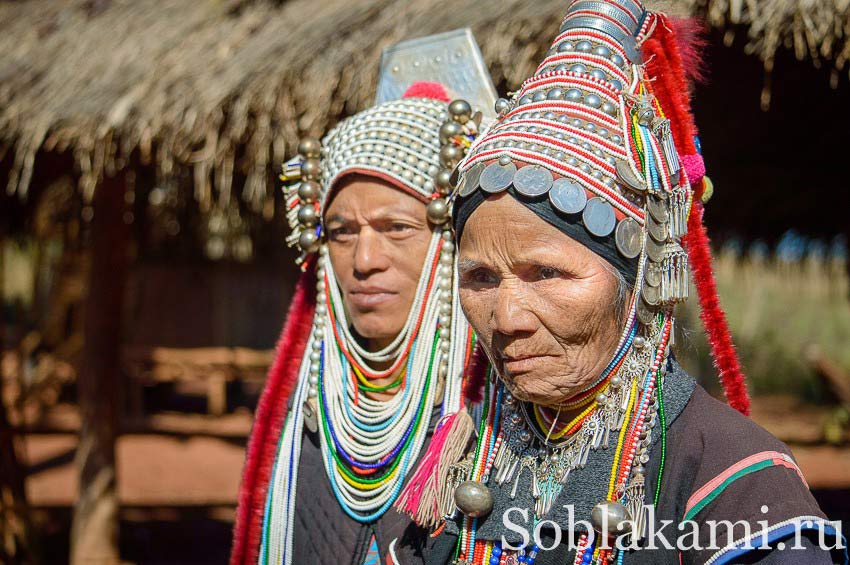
<point>422,89</point>
<point>694,167</point>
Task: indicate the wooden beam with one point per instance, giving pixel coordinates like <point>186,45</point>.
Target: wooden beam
<point>94,530</point>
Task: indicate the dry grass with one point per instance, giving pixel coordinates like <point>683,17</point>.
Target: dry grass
<point>777,310</point>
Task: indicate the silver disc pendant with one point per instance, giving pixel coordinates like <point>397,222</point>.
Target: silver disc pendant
<point>598,217</point>
<point>628,238</point>
<point>470,179</point>
<point>652,274</point>
<point>628,178</point>
<point>311,417</point>
<point>645,312</point>
<point>655,251</point>
<point>497,177</point>
<point>533,180</point>
<point>657,208</point>
<point>567,196</point>
<point>652,294</point>
<point>657,231</point>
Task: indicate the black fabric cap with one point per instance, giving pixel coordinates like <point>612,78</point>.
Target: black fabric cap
<point>570,224</point>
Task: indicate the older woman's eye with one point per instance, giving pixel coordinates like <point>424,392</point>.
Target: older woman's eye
<point>340,234</point>
<point>545,273</point>
<point>478,277</point>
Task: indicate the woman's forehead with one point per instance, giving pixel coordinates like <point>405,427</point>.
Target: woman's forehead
<point>372,196</point>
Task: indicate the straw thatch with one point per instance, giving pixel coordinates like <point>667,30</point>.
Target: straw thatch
<point>217,86</point>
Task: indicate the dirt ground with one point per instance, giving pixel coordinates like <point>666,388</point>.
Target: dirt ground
<point>178,476</point>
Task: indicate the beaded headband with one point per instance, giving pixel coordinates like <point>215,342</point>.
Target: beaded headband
<point>413,142</point>
<point>586,134</point>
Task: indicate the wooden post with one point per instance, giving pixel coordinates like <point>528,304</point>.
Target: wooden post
<point>94,531</point>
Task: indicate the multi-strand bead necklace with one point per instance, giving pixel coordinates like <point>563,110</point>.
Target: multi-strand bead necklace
<point>623,404</point>
<point>369,445</point>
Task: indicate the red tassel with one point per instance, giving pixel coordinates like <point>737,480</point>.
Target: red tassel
<point>666,70</point>
<point>691,44</point>
<point>268,420</point>
<point>713,318</point>
<point>473,392</point>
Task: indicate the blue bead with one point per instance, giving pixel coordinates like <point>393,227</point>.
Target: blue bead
<point>497,551</point>
<point>698,144</point>
<point>494,560</point>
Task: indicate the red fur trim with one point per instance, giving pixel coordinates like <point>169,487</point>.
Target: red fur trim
<point>268,420</point>
<point>665,70</point>
<point>713,318</point>
<point>691,43</point>
<point>476,375</point>
<point>423,89</point>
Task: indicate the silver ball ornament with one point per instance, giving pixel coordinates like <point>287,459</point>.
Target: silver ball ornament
<point>473,499</point>
<point>309,191</point>
<point>308,241</point>
<point>310,147</point>
<point>610,518</point>
<point>308,216</point>
<point>438,211</point>
<point>460,110</point>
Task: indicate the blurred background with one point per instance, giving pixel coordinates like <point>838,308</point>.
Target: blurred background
<point>143,273</point>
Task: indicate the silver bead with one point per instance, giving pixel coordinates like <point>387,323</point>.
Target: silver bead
<point>617,60</point>
<point>539,96</point>
<point>573,94</point>
<point>597,74</point>
<point>504,160</point>
<point>449,130</point>
<point>555,94</point>
<point>601,398</point>
<point>602,51</point>
<point>639,342</point>
<point>443,179</point>
<point>310,169</point>
<point>609,109</point>
<point>610,518</point>
<point>525,99</point>
<point>438,211</point>
<point>474,499</point>
<point>310,147</point>
<point>308,241</point>
<point>308,191</point>
<point>584,46</point>
<point>502,106</point>
<point>449,154</point>
<point>578,68</point>
<point>616,382</point>
<point>617,84</point>
<point>593,100</point>
<point>565,46</point>
<point>460,110</point>
<point>561,67</point>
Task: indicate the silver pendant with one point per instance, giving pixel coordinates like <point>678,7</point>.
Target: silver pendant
<point>533,180</point>
<point>567,196</point>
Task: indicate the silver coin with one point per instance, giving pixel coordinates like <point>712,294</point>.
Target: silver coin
<point>497,177</point>
<point>533,180</point>
<point>657,230</point>
<point>628,238</point>
<point>645,313</point>
<point>470,179</point>
<point>628,178</point>
<point>567,196</point>
<point>311,417</point>
<point>598,217</point>
<point>655,251</point>
<point>652,274</point>
<point>657,208</point>
<point>652,294</point>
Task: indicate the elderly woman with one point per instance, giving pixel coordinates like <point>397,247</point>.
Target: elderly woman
<point>374,346</point>
<point>595,446</point>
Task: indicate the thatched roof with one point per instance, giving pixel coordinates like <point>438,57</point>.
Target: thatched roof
<point>222,85</point>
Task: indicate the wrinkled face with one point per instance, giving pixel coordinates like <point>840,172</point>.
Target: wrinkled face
<point>378,237</point>
<point>544,306</point>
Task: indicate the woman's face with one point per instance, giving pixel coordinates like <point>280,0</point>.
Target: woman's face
<point>544,306</point>
<point>378,238</point>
